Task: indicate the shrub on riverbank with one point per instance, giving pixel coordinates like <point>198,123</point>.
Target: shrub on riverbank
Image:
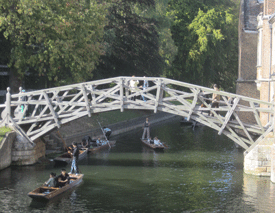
<point>3,131</point>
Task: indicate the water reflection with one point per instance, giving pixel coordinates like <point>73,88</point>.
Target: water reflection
<point>201,172</point>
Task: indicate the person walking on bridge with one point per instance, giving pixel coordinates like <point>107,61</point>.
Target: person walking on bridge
<point>146,126</point>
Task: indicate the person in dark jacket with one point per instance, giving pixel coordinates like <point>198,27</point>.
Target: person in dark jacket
<point>63,178</point>
<point>86,142</point>
<point>75,154</point>
<point>146,127</point>
<point>107,132</point>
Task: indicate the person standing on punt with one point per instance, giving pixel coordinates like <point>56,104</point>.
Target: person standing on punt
<point>75,154</point>
<point>146,126</point>
<point>107,131</point>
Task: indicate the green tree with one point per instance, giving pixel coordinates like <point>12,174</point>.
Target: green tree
<point>57,39</point>
<point>206,35</point>
<point>131,41</point>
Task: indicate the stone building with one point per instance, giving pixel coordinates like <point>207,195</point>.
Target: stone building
<point>266,54</point>
<point>248,39</point>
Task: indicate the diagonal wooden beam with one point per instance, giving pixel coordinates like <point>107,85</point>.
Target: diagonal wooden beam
<point>86,100</point>
<point>121,92</point>
<point>229,113</point>
<point>159,89</point>
<point>256,115</point>
<point>51,109</point>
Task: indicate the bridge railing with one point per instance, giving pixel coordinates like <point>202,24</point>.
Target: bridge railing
<point>40,111</point>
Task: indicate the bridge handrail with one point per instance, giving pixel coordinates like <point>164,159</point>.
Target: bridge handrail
<point>164,80</point>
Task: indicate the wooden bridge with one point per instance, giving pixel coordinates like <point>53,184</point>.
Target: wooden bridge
<point>39,112</point>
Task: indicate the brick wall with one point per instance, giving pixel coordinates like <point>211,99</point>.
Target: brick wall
<point>248,41</point>
<point>269,7</point>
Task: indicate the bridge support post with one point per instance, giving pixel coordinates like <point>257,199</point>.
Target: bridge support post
<point>8,106</point>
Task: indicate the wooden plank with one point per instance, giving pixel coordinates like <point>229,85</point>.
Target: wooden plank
<point>159,85</point>
<point>121,92</point>
<point>257,118</point>
<point>51,109</point>
<point>229,113</point>
<point>86,100</point>
<point>37,105</point>
<point>187,85</point>
<point>270,129</point>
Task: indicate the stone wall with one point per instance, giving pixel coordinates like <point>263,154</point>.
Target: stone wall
<point>258,160</point>
<point>24,153</point>
<point>116,128</point>
<point>5,150</point>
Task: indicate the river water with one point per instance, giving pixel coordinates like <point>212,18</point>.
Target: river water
<point>200,172</point>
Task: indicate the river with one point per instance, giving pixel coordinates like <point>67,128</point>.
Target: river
<point>200,172</point>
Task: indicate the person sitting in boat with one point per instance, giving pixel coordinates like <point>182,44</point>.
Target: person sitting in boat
<point>107,132</point>
<point>150,140</point>
<point>75,154</point>
<point>156,141</point>
<point>86,141</point>
<point>51,182</point>
<point>63,178</point>
<point>98,142</point>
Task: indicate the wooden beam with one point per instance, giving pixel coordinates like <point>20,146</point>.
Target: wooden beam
<point>51,109</point>
<point>86,100</point>
<point>121,92</point>
<point>256,115</point>
<point>159,88</point>
<point>229,113</point>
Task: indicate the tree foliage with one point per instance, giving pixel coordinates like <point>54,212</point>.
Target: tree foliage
<point>56,38</point>
<point>205,33</point>
<point>131,41</point>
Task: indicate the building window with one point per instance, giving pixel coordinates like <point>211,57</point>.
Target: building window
<point>259,51</point>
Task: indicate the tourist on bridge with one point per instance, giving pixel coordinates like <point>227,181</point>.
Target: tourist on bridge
<point>107,131</point>
<point>51,182</point>
<point>134,86</point>
<point>145,86</point>
<point>215,98</point>
<point>146,126</point>
<point>63,178</point>
<point>75,154</point>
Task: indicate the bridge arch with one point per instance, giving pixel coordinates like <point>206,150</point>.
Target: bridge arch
<point>43,110</point>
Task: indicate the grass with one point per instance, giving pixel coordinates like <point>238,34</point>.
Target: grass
<point>3,131</point>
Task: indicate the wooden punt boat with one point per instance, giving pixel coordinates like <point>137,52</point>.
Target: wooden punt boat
<point>47,193</point>
<point>67,157</point>
<point>153,146</point>
<point>104,146</point>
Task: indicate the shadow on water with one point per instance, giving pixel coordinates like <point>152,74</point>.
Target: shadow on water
<point>200,172</point>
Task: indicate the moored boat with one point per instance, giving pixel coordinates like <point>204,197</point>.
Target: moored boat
<point>47,193</point>
<point>103,145</point>
<point>67,157</point>
<point>152,145</point>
